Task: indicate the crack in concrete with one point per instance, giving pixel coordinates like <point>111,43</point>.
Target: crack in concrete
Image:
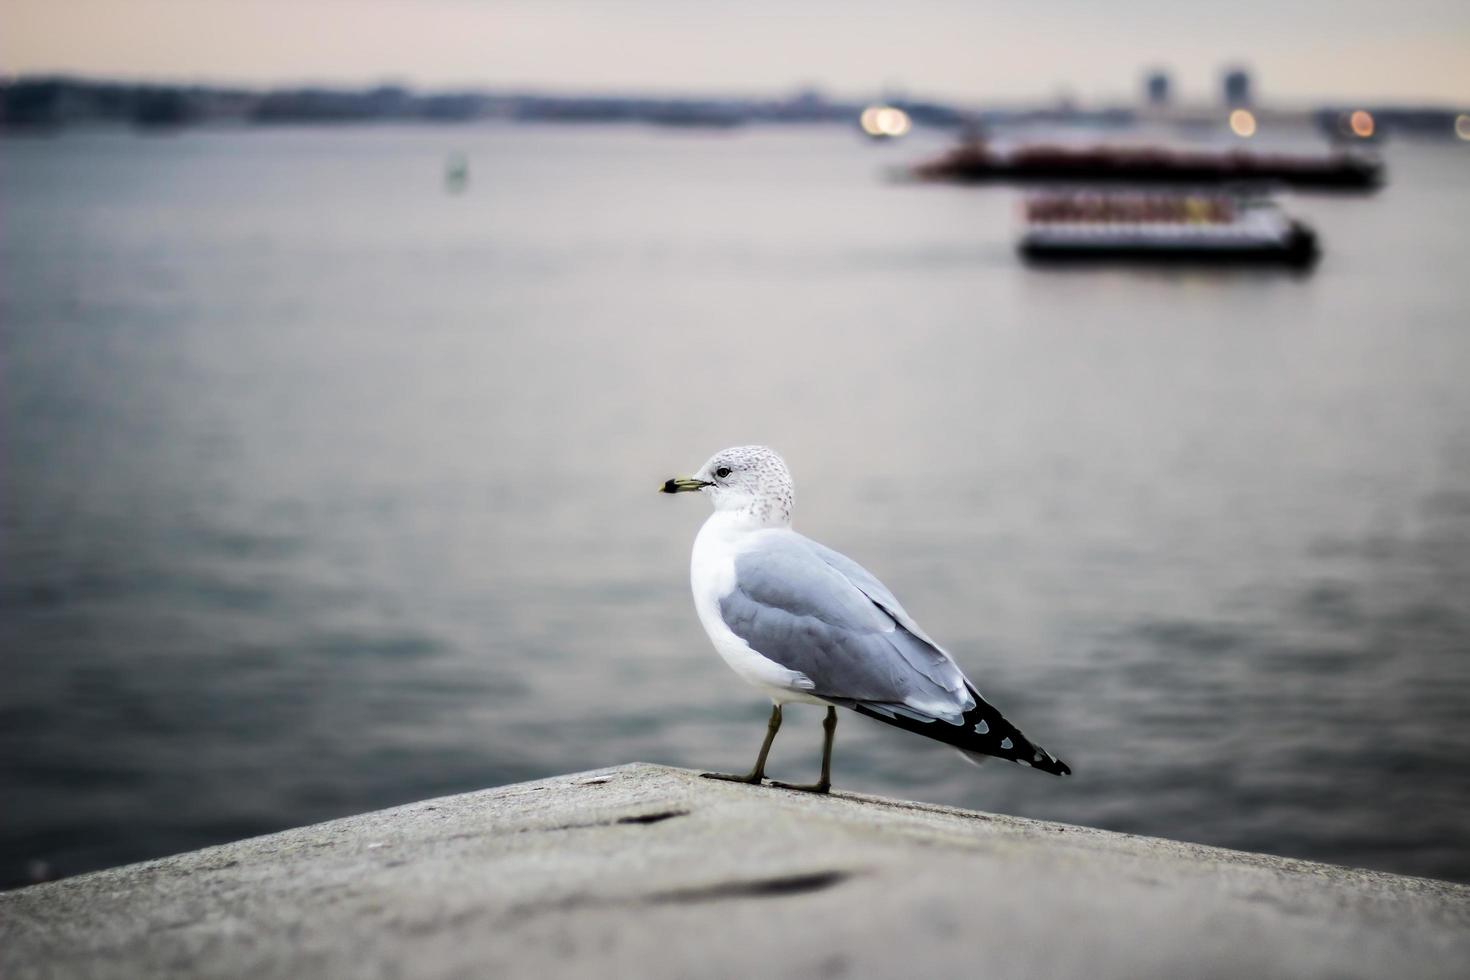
<point>800,884</point>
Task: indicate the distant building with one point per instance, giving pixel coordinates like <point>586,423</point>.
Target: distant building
<point>1156,88</point>
<point>1237,86</point>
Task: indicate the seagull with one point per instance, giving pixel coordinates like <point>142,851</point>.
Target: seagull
<point>803,623</point>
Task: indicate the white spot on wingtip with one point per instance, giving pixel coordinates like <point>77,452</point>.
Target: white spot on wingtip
<point>1006,743</point>
<point>1037,757</point>
<point>1023,762</point>
<point>983,727</point>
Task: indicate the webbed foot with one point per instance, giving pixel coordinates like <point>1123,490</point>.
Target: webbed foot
<point>753,778</point>
<point>822,787</point>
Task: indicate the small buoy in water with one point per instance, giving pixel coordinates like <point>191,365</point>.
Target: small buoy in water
<point>456,172</point>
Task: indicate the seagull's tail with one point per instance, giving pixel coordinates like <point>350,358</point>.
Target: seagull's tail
<point>983,732</point>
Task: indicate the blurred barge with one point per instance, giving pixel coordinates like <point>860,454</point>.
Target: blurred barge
<point>977,162</point>
<point>1163,227</point>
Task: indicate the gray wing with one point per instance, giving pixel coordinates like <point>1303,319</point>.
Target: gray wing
<point>815,611</point>
<point>872,588</point>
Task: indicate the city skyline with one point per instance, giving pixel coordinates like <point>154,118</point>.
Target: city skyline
<point>997,52</point>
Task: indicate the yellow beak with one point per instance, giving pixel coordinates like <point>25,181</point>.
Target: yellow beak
<point>683,484</point>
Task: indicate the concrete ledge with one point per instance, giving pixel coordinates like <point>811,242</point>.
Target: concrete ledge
<point>648,871</point>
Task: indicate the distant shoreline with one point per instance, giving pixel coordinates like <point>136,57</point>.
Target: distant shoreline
<point>46,103</point>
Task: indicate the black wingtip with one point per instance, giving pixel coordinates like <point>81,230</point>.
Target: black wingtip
<point>1047,762</point>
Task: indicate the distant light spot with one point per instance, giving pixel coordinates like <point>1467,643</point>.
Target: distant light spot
<point>884,121</point>
<point>983,728</point>
<point>1006,743</point>
<point>1243,123</point>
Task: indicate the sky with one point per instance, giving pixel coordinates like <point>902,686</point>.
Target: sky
<point>1010,50</point>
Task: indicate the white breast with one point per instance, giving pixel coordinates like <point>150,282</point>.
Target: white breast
<point>712,577</point>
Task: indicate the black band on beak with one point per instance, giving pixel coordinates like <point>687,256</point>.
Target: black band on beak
<point>682,484</point>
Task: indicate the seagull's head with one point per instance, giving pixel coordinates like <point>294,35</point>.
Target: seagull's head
<point>751,480</point>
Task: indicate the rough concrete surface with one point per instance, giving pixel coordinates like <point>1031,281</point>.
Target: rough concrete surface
<point>645,871</point>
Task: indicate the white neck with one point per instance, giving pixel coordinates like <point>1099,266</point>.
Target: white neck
<point>746,519</point>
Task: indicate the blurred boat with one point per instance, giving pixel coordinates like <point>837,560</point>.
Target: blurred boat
<point>976,161</point>
<point>1081,226</point>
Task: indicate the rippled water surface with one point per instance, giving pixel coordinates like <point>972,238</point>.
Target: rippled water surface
<point>324,489</point>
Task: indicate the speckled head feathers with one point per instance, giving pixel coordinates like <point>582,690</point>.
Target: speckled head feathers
<point>752,480</point>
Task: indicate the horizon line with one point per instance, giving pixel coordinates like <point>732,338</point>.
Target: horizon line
<point>829,95</point>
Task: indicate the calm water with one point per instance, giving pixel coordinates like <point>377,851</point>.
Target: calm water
<point>324,489</point>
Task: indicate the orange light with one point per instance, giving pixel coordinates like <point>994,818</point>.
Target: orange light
<point>1361,123</point>
<point>1243,123</point>
<point>885,120</point>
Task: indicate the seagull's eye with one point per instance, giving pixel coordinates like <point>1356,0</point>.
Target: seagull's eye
<point>722,472</point>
